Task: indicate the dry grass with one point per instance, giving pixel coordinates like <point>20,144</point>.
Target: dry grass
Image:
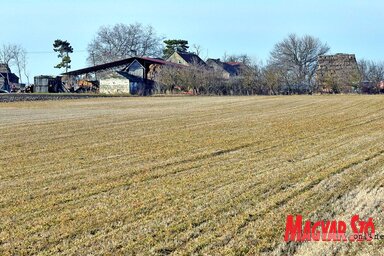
<point>194,175</point>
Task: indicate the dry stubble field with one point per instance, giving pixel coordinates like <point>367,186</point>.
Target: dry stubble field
<point>187,175</point>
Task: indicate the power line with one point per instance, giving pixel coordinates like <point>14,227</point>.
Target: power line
<point>46,52</point>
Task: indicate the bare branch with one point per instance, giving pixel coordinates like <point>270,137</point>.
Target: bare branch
<point>124,41</point>
<point>297,58</point>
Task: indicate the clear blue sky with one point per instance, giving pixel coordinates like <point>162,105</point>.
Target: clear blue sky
<point>219,26</point>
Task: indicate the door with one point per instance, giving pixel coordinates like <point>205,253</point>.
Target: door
<point>133,87</point>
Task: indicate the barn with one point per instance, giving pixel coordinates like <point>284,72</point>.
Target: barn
<point>8,80</point>
<point>135,76</point>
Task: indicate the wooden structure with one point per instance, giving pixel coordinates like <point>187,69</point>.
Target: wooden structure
<point>8,80</point>
<point>45,84</point>
<point>134,75</point>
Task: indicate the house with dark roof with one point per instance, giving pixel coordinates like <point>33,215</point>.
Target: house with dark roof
<point>228,69</point>
<point>187,59</point>
<point>8,80</point>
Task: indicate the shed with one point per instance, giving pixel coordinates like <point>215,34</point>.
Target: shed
<point>134,75</point>
<point>8,80</point>
<point>44,84</point>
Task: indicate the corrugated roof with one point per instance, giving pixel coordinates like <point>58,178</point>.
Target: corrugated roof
<point>119,63</point>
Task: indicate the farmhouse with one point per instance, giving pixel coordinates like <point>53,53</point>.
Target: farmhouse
<point>337,73</point>
<point>187,59</point>
<point>8,80</point>
<point>134,75</point>
<point>228,69</point>
<point>145,75</point>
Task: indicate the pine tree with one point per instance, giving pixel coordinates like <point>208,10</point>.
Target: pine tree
<point>174,45</point>
<point>64,49</point>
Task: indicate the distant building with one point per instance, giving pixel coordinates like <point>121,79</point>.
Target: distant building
<point>8,80</point>
<point>44,84</point>
<point>132,79</point>
<point>134,75</point>
<point>228,69</point>
<point>337,73</point>
<point>187,59</point>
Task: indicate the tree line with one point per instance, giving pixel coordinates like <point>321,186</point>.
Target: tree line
<point>290,68</point>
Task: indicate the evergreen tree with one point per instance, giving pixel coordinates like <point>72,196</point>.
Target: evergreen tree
<point>174,45</point>
<point>64,49</point>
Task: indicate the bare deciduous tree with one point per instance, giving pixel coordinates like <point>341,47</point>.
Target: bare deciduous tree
<point>197,49</point>
<point>19,59</point>
<point>23,65</point>
<point>14,55</point>
<point>243,58</point>
<point>297,58</point>
<point>198,79</point>
<point>124,41</point>
<point>6,53</point>
<point>372,73</point>
<point>272,80</point>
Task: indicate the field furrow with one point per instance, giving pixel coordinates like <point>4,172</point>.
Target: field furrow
<point>187,175</point>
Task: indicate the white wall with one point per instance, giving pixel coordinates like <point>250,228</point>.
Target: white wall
<point>114,85</point>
